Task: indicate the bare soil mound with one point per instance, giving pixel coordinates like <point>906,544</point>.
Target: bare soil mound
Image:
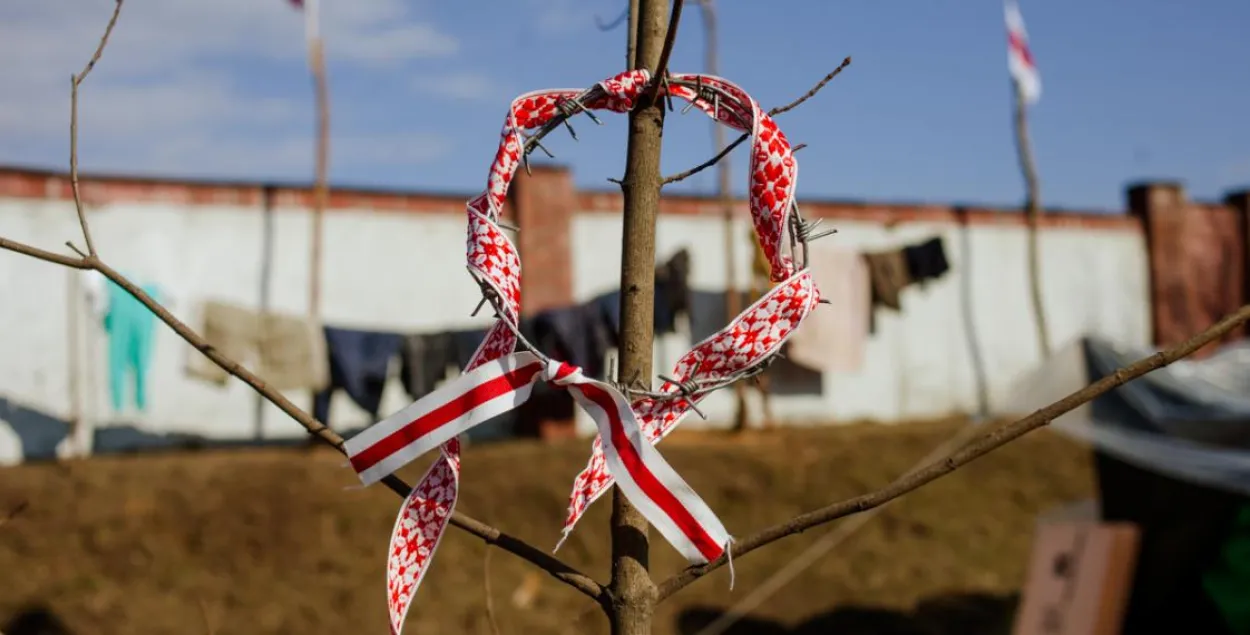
<point>270,541</point>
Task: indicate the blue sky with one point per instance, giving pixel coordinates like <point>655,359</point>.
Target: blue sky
<point>219,89</point>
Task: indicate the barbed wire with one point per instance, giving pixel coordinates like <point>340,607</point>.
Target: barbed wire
<point>799,231</point>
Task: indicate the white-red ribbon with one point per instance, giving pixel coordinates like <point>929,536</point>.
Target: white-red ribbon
<point>497,379</point>
<point>504,384</point>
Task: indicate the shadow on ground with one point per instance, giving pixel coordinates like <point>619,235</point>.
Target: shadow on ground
<point>967,614</point>
<point>35,620</point>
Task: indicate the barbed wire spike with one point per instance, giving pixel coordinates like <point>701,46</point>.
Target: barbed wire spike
<point>688,389</point>
<point>478,309</point>
<point>538,144</point>
<point>569,127</point>
<point>698,94</point>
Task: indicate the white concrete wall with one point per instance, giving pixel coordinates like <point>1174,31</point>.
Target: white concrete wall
<point>402,272</point>
<point>919,363</point>
<point>381,270</point>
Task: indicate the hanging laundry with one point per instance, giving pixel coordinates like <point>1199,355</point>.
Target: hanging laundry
<point>580,335</point>
<point>672,286</point>
<point>465,344</point>
<point>672,296</point>
<point>888,272</point>
<point>95,288</point>
<point>926,260</point>
<point>425,360</point>
<point>359,363</point>
<point>129,326</point>
<point>292,352</point>
<point>288,351</point>
<point>833,337</point>
<point>709,312</point>
<point>231,329</point>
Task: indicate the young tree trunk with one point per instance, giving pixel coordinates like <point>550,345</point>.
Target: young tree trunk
<point>633,592</point>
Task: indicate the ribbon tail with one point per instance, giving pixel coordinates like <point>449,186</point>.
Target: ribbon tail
<point>491,389</point>
<point>650,483</point>
<point>419,529</point>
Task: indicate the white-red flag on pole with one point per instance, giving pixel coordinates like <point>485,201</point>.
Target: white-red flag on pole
<point>1019,58</point>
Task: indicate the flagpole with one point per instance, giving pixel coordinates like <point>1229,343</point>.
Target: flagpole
<point>1024,70</point>
<point>1033,212</point>
<point>321,93</point>
<point>316,64</point>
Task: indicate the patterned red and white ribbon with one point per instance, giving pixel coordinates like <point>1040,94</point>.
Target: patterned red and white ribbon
<point>497,379</point>
<point>505,383</point>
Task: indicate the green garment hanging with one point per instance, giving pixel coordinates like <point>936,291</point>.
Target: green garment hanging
<point>130,326</point>
<point>1228,582</point>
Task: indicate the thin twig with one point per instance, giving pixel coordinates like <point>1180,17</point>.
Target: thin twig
<point>608,26</point>
<point>41,254</point>
<point>670,37</point>
<point>772,113</point>
<point>811,93</point>
<point>491,535</point>
<point>490,600</point>
<point>75,81</point>
<point>987,443</point>
<point>706,164</point>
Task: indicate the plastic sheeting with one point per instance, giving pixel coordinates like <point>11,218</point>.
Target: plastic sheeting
<point>1189,420</point>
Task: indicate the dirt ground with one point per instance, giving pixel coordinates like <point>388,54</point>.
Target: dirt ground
<point>274,541</point>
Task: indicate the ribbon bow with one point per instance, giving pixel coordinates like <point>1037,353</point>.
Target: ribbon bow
<point>505,383</point>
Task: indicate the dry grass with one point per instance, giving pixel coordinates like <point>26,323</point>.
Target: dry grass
<point>271,542</point>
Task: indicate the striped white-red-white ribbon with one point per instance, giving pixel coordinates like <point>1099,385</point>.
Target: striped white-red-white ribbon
<point>507,382</point>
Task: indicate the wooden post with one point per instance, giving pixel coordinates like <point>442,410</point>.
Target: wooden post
<point>1033,209</point>
<point>71,343</point>
<point>317,64</point>
<point>267,196</point>
<point>633,592</point>
<point>321,188</point>
<point>711,64</point>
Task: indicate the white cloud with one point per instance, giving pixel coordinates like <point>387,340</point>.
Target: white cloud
<point>559,17</point>
<point>174,89</point>
<point>461,87</point>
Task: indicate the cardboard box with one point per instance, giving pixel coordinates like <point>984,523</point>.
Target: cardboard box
<point>1079,579</point>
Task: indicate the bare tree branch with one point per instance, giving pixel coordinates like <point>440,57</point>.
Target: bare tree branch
<point>74,82</point>
<point>90,261</point>
<point>774,112</point>
<point>811,93</point>
<point>985,444</point>
<point>706,164</point>
<point>608,26</point>
<point>670,38</point>
<point>41,254</point>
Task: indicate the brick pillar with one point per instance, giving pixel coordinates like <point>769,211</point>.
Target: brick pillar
<point>1197,260</point>
<point>543,205</point>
